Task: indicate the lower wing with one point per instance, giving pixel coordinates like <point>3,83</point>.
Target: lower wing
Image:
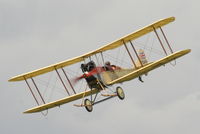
<point>61,101</point>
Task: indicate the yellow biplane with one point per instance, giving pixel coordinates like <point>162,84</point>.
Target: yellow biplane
<point>99,78</point>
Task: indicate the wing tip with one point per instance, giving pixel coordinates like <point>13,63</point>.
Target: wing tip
<point>186,51</point>
<point>29,112</point>
<point>17,78</point>
<point>11,80</point>
<point>172,18</point>
<point>189,50</point>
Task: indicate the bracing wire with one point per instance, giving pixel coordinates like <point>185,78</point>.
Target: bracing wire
<point>156,51</point>
<point>121,62</point>
<point>147,40</point>
<point>42,82</point>
<point>151,48</point>
<point>117,58</point>
<point>45,114</point>
<point>173,64</point>
<point>48,82</point>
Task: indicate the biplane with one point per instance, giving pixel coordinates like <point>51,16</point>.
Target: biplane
<point>100,74</point>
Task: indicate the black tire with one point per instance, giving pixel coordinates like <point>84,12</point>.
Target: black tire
<point>120,93</point>
<point>88,105</point>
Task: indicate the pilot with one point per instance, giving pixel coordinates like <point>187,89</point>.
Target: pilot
<point>108,66</point>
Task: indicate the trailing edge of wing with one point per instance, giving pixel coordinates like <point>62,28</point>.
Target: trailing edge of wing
<point>109,46</point>
<point>61,101</point>
<point>150,67</point>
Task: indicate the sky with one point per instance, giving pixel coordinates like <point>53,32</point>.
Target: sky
<point>34,34</point>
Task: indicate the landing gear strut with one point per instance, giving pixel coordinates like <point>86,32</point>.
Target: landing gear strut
<point>89,104</point>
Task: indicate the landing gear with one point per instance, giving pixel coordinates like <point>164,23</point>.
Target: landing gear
<point>88,105</point>
<point>120,93</point>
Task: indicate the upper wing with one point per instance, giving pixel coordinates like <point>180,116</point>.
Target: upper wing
<point>61,101</point>
<point>110,46</point>
<point>150,67</point>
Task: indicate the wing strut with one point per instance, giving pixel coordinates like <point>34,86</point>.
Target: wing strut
<point>62,82</point>
<point>102,58</point>
<point>129,54</point>
<point>170,48</point>
<point>160,40</point>
<point>36,89</point>
<point>136,53</point>
<point>31,91</point>
<point>166,40</point>
<point>68,80</point>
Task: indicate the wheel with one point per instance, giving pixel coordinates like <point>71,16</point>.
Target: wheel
<point>88,105</point>
<point>120,93</point>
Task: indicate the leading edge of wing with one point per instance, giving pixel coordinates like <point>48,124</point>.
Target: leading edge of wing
<point>150,67</point>
<point>46,69</point>
<point>61,101</point>
<point>109,46</point>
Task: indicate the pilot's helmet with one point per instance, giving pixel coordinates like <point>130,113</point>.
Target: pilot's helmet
<point>107,63</point>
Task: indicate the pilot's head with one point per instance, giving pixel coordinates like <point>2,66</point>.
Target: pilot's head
<point>107,63</point>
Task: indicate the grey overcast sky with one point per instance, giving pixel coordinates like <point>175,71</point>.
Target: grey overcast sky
<point>37,33</point>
